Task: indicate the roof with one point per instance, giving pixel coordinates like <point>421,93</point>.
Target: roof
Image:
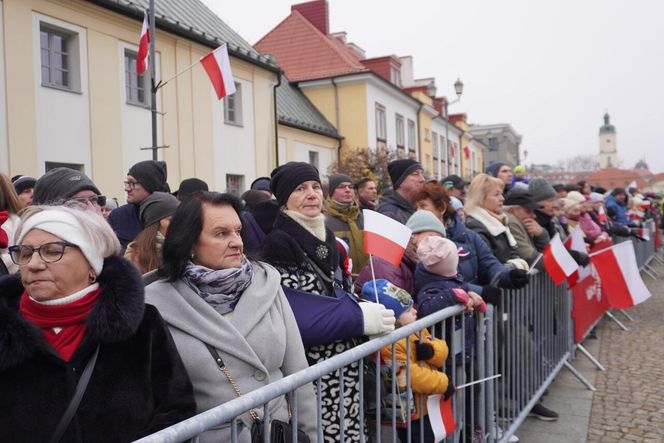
<point>295,109</point>
<point>305,53</point>
<point>193,20</point>
<point>614,177</point>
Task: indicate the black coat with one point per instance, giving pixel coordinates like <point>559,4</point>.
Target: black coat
<point>499,244</point>
<point>139,384</point>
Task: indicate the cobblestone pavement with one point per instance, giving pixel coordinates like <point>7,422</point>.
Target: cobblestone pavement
<point>629,403</point>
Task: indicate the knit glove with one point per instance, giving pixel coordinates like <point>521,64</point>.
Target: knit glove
<point>4,239</point>
<point>449,392</point>
<point>518,263</point>
<point>491,294</point>
<point>519,278</point>
<point>580,258</point>
<point>377,320</point>
<point>423,351</point>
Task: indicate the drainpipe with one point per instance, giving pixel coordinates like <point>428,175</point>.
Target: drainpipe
<point>276,118</point>
<point>336,117</point>
<point>419,134</point>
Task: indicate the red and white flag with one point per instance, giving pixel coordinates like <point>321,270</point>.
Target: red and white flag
<point>644,233</point>
<point>575,242</point>
<point>620,275</point>
<point>441,416</point>
<point>218,68</point>
<point>385,237</point>
<point>601,214</point>
<point>143,47</point>
<point>557,261</point>
<point>466,152</point>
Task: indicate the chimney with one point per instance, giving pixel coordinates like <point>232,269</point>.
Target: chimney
<point>316,12</point>
<point>439,104</point>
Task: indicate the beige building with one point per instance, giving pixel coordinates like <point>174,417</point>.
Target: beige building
<point>71,97</point>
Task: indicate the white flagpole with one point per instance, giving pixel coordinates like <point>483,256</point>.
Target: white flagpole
<point>539,257</point>
<point>477,381</point>
<point>602,250</point>
<point>373,277</point>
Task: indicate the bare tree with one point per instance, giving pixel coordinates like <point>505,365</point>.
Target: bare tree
<point>359,163</point>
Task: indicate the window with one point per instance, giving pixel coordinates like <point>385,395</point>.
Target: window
<point>53,165</point>
<point>233,107</point>
<point>381,125</point>
<point>135,85</point>
<point>435,146</point>
<point>427,135</point>
<point>395,76</point>
<point>411,136</point>
<point>55,58</point>
<point>235,184</point>
<point>401,142</point>
<point>314,159</point>
<point>493,144</point>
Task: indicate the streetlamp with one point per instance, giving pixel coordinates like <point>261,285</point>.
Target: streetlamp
<point>458,88</point>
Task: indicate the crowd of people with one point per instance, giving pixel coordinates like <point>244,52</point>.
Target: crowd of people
<point>133,317</point>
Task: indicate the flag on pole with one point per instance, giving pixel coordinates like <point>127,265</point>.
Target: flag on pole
<point>384,237</point>
<point>620,275</point>
<point>601,214</point>
<point>466,152</point>
<point>575,242</point>
<point>558,263</point>
<point>441,416</point>
<point>143,46</point>
<point>218,68</point>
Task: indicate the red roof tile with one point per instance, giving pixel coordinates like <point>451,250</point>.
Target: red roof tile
<point>305,53</point>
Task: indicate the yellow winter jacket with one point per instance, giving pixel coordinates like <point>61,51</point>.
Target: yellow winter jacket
<point>425,377</point>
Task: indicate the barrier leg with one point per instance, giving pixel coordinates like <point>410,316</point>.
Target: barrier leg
<point>651,269</point>
<point>623,312</point>
<point>649,273</point>
<point>612,317</point>
<point>580,376</point>
<point>658,259</point>
<point>593,360</point>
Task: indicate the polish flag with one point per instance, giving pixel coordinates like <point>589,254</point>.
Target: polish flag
<point>466,152</point>
<point>601,215</point>
<point>385,237</point>
<point>575,242</point>
<point>143,44</point>
<point>557,261</point>
<point>619,273</point>
<point>218,68</point>
<point>441,417</point>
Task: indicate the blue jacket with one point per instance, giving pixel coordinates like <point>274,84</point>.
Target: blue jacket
<point>618,211</point>
<point>478,266</point>
<point>126,223</point>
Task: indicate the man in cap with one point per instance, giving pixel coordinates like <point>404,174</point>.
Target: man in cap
<point>143,179</point>
<point>531,238</point>
<point>189,186</point>
<point>65,185</point>
<point>24,187</point>
<point>456,186</point>
<point>407,177</point>
<point>262,184</point>
<point>344,218</point>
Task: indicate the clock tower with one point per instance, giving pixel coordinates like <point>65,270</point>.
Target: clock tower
<point>608,151</point>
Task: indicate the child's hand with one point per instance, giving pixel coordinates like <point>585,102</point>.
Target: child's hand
<point>450,390</point>
<point>477,301</point>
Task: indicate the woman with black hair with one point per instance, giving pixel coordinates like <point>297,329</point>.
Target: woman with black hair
<point>218,303</point>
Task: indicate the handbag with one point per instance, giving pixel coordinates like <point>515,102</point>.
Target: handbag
<point>280,431</point>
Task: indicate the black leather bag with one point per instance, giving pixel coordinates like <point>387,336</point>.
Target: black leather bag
<point>280,432</point>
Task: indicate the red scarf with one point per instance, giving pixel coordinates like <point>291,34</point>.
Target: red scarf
<point>70,317</point>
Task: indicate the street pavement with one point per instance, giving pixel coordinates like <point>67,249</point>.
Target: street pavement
<point>629,403</point>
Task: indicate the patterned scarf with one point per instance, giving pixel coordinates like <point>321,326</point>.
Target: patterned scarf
<point>349,214</point>
<point>220,288</point>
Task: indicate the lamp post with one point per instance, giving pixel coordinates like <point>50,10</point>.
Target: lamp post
<point>458,88</point>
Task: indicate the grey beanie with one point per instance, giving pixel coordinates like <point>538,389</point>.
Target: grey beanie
<point>422,221</point>
<point>157,206</point>
<point>60,184</point>
<point>336,180</point>
<point>494,168</point>
<point>541,189</point>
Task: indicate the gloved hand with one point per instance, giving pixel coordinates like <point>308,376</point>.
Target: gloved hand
<point>579,257</point>
<point>491,294</point>
<point>519,278</point>
<point>377,319</point>
<point>423,351</point>
<point>450,390</point>
<point>635,233</point>
<point>518,263</point>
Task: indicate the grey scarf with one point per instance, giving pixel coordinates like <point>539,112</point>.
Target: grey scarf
<point>220,288</point>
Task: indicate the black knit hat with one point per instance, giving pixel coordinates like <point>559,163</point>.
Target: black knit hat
<point>261,184</point>
<point>156,206</point>
<point>23,182</point>
<point>335,180</point>
<point>190,185</point>
<point>61,184</point>
<point>400,169</point>
<point>287,177</point>
<point>151,175</point>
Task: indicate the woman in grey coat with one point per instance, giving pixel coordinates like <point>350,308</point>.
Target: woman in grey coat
<point>210,295</point>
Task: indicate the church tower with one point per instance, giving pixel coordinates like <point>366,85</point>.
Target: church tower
<point>608,151</point>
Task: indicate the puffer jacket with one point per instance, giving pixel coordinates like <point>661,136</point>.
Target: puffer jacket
<point>396,207</point>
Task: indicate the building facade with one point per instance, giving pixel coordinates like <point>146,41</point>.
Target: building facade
<point>501,140</point>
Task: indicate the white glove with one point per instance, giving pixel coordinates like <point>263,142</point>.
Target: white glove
<point>377,319</point>
<point>519,263</point>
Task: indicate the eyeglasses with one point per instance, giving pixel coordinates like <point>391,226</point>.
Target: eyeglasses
<point>49,252</point>
<point>131,185</point>
<point>97,200</point>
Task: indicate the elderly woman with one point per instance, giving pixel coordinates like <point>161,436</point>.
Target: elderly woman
<point>218,303</point>
<point>75,320</point>
<point>306,255</point>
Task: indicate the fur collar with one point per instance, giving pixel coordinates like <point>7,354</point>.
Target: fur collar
<point>495,224</point>
<point>116,316</point>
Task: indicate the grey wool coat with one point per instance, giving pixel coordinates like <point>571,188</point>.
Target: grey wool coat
<point>259,343</point>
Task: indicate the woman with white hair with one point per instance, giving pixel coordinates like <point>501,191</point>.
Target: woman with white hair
<point>82,357</point>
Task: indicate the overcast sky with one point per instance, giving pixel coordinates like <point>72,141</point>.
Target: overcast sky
<point>551,69</point>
